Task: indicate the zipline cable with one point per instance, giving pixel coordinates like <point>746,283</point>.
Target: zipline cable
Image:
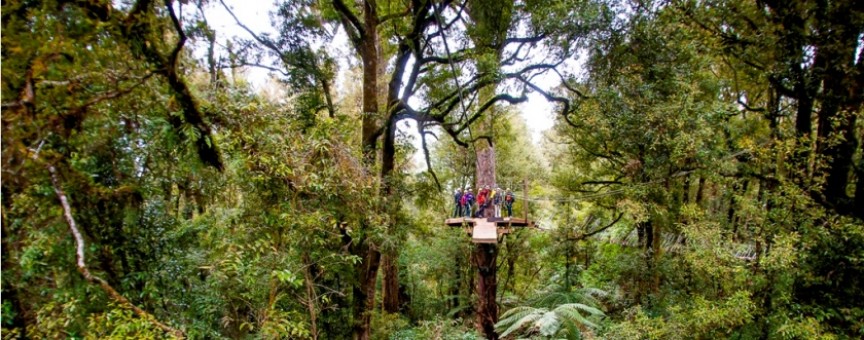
<point>459,89</point>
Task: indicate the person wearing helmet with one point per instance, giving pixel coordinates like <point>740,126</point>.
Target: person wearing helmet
<point>457,199</point>
<point>482,201</point>
<point>509,198</point>
<point>467,202</point>
<point>497,197</point>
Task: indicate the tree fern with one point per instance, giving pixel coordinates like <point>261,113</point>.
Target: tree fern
<point>564,320</point>
<point>516,318</point>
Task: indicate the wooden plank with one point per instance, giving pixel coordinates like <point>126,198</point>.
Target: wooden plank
<point>459,221</point>
<point>485,232</point>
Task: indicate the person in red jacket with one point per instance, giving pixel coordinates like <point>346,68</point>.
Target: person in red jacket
<point>482,200</point>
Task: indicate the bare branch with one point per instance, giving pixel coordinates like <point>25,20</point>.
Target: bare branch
<point>81,263</point>
<point>500,97</point>
<point>600,230</point>
<point>266,43</point>
<point>426,154</point>
<point>181,41</point>
<point>455,57</point>
<point>748,108</point>
<point>249,64</point>
<point>529,40</point>
<point>565,110</point>
<point>567,85</point>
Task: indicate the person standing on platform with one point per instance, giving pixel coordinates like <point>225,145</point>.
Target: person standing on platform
<point>497,197</point>
<point>467,202</point>
<point>457,199</point>
<point>509,198</point>
<point>482,201</point>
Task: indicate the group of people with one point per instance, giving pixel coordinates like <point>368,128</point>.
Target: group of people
<point>485,198</point>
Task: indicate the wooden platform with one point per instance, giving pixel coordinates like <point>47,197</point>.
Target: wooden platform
<point>487,230</point>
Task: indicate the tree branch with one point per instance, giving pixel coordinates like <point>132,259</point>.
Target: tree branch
<point>565,110</point>
<point>181,40</point>
<point>500,97</point>
<point>346,13</point>
<point>426,154</point>
<point>392,16</point>
<point>528,40</point>
<point>600,230</point>
<point>81,263</point>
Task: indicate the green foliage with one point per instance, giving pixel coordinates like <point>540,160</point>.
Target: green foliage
<point>563,321</point>
<point>735,220</point>
<point>699,318</point>
<point>437,329</point>
<point>119,323</point>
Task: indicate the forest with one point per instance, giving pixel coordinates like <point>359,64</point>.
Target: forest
<point>702,176</point>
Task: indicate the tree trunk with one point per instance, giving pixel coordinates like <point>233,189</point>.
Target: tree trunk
<point>700,192</point>
<point>369,58</point>
<point>485,259</point>
<point>367,273</point>
<point>485,256</point>
<point>454,285</point>
<point>311,294</point>
<point>390,288</point>
<point>364,294</point>
<point>840,57</point>
<point>685,198</point>
<point>833,125</point>
<point>485,170</point>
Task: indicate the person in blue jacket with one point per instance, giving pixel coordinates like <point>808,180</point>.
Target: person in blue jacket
<point>467,202</point>
<point>457,199</point>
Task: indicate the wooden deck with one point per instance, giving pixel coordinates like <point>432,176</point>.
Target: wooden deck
<point>487,230</point>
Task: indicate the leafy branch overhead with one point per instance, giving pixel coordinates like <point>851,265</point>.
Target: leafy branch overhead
<point>695,169</point>
<point>136,31</point>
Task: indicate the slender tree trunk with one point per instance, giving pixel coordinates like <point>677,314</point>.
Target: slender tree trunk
<point>567,258</point>
<point>685,198</point>
<point>390,289</point>
<point>454,285</point>
<point>700,192</point>
<point>311,294</point>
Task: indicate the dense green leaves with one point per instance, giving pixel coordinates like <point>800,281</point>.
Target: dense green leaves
<point>704,172</point>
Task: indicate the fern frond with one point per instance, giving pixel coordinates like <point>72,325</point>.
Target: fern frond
<point>519,318</point>
<point>585,308</point>
<point>571,314</point>
<point>549,324</point>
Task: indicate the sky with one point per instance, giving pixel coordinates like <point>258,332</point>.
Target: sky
<point>537,112</point>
